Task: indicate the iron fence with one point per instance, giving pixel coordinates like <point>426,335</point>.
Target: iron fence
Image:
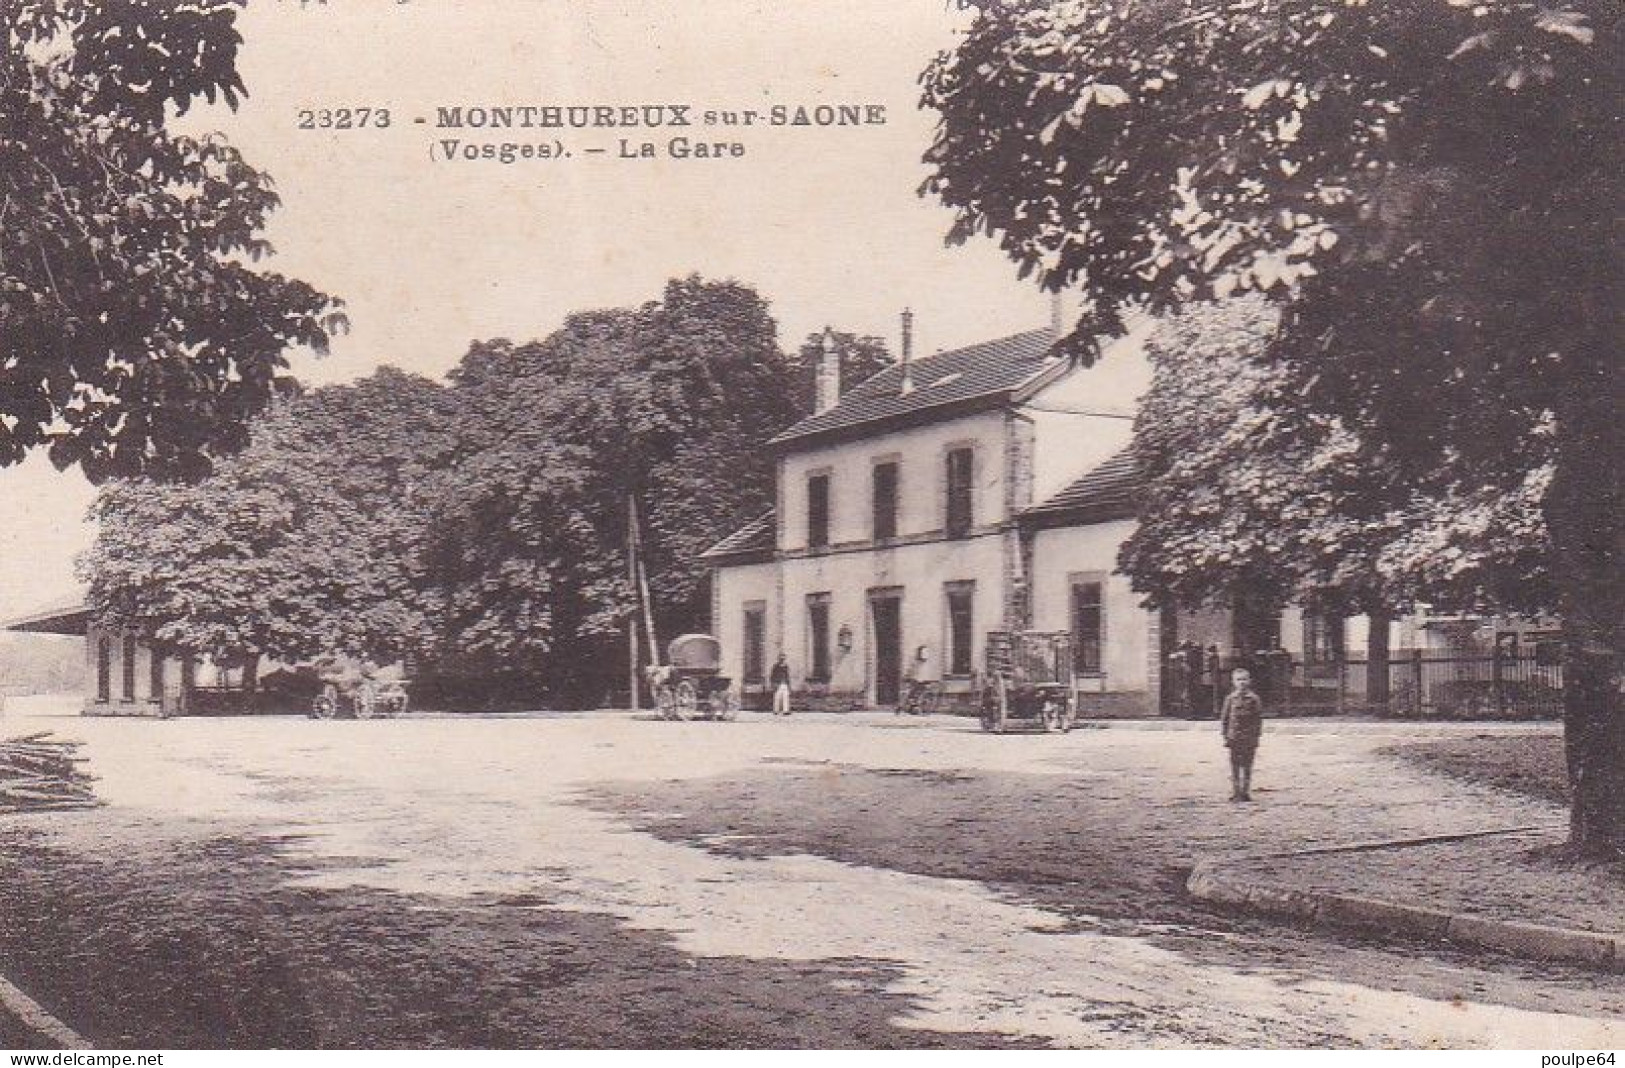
<point>1421,683</point>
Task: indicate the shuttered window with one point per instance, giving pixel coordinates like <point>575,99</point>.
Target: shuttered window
<point>961,467</point>
<point>885,501</point>
<point>961,598</point>
<point>817,511</point>
<point>755,643</point>
<point>1088,627</point>
<point>818,637</point>
<point>127,662</point>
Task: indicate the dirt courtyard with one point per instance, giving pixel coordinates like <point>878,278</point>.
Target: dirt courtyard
<point>832,881</point>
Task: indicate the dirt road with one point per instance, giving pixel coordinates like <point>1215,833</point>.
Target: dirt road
<point>819,881</point>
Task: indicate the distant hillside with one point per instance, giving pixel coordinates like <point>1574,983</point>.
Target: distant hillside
<point>41,663</point>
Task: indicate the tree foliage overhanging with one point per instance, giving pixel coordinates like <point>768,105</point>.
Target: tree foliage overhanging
<point>134,336</point>
<point>307,542</point>
<point>481,526</point>
<point>1429,191</point>
<point>668,403</point>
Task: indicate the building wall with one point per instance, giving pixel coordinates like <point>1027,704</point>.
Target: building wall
<point>1084,418</point>
<point>919,573</point>
<point>921,455</point>
<point>733,588</point>
<point>1128,640</point>
<point>143,699</point>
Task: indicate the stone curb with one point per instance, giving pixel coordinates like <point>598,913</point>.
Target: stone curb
<point>32,1015</point>
<point>1210,882</point>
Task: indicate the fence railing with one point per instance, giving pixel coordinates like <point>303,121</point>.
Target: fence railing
<point>1419,682</point>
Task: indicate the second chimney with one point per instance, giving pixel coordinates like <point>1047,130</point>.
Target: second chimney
<point>907,383</point>
<point>829,375</point>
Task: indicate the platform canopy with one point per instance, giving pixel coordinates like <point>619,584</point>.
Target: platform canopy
<point>71,617</point>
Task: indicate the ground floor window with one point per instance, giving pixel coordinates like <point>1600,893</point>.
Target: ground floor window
<point>961,598</point>
<point>104,669</point>
<point>1088,625</point>
<point>1322,638</point>
<point>155,675</point>
<point>818,637</point>
<point>128,664</point>
<point>755,638</point>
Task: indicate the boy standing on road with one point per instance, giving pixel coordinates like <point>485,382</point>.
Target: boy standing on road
<point>778,680</point>
<point>1242,722</point>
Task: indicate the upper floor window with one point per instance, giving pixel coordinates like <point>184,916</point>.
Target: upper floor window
<point>961,469</point>
<point>885,501</point>
<point>817,511</point>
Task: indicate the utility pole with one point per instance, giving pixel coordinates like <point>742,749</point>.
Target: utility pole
<point>632,616</point>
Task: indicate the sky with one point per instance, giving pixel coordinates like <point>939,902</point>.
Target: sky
<point>430,255</point>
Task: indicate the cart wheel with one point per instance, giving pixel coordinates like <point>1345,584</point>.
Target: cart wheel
<point>1055,713</point>
<point>665,702</point>
<point>994,709</point>
<point>688,700</point>
<point>325,706</point>
<point>723,705</point>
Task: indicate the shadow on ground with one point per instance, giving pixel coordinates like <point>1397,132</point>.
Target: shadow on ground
<point>1087,848</point>
<point>210,946</point>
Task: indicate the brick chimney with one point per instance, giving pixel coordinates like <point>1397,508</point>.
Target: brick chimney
<point>907,384</point>
<point>829,375</point>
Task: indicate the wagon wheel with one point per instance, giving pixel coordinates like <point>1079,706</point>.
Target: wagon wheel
<point>688,701</point>
<point>326,705</point>
<point>366,704</point>
<point>666,702</point>
<point>1058,711</point>
<point>995,705</point>
<point>723,705</point>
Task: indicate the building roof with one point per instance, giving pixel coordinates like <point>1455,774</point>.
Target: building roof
<point>756,538</point>
<point>968,379</point>
<point>69,617</point>
<point>1106,492</point>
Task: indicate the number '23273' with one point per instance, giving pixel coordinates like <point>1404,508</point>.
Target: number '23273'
<point>344,118</point>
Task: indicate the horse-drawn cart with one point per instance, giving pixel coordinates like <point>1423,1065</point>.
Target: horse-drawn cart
<point>1028,683</point>
<point>690,685</point>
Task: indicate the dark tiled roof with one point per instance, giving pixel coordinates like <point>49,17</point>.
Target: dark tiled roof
<point>758,537</point>
<point>1109,491</point>
<point>978,375</point>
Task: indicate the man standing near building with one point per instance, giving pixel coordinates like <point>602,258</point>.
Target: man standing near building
<point>778,681</point>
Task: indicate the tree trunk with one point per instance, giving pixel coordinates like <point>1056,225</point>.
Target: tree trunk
<point>1583,518</point>
<point>1376,660</point>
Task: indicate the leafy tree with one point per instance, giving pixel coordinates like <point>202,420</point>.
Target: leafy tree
<point>306,542</point>
<point>1426,187</point>
<point>859,358</point>
<point>134,337</point>
<point>666,404</point>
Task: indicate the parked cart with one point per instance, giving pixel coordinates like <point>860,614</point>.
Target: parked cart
<point>352,690</point>
<point>1028,682</point>
<point>690,685</point>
